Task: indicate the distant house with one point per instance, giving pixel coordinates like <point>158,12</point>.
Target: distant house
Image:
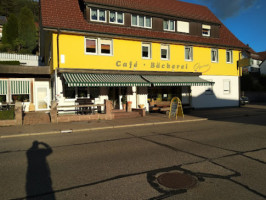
<point>3,20</point>
<point>255,61</point>
<point>263,64</point>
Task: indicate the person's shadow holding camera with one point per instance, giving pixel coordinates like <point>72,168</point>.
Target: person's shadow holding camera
<point>39,183</point>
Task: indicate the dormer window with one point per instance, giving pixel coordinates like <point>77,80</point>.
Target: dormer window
<point>141,21</point>
<point>182,27</point>
<point>206,30</point>
<point>116,17</point>
<point>97,15</point>
<point>169,25</point>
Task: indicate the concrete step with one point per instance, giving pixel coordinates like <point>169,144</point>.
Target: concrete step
<point>32,118</point>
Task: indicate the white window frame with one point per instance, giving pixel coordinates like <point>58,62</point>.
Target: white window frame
<point>149,50</point>
<point>145,26</point>
<point>226,86</point>
<point>217,56</point>
<point>207,28</point>
<point>168,23</point>
<point>98,46</point>
<point>168,51</point>
<point>98,15</point>
<point>191,53</point>
<point>116,19</point>
<point>230,56</point>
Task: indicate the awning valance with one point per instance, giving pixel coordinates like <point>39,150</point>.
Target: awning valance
<point>3,87</point>
<point>20,87</point>
<point>177,80</point>
<point>103,80</point>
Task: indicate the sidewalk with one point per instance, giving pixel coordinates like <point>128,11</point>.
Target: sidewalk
<point>149,120</point>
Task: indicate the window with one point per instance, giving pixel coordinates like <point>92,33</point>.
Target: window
<point>91,46</point>
<point>165,52</point>
<point>98,46</point>
<point>116,17</point>
<point>183,27</point>
<point>105,46</point>
<point>188,53</point>
<point>69,92</point>
<point>214,55</point>
<point>98,15</point>
<point>82,92</point>
<point>146,51</point>
<point>229,56</point>
<point>169,25</point>
<point>206,30</point>
<point>141,21</point>
<point>226,86</point>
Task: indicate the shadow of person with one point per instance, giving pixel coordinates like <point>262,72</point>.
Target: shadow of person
<point>39,183</point>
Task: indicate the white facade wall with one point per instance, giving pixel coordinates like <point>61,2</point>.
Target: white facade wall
<point>218,94</point>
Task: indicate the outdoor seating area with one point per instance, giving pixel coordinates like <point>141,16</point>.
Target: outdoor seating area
<point>159,106</point>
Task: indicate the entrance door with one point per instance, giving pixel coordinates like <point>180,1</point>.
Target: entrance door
<point>42,98</point>
<point>113,95</point>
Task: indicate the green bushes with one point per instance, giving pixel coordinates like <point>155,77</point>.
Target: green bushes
<point>10,62</point>
<point>7,114</point>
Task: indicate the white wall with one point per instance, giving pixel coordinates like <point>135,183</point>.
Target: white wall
<point>204,98</point>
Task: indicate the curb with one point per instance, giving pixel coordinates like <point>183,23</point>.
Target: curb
<point>100,128</point>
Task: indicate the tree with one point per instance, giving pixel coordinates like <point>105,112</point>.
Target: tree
<point>10,30</point>
<point>27,30</point>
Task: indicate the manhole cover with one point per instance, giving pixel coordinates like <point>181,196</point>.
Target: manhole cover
<point>177,180</point>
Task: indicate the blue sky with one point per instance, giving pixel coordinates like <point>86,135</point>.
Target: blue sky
<point>246,19</point>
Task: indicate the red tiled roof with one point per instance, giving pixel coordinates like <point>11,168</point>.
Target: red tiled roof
<point>166,7</point>
<point>66,14</point>
<point>262,55</point>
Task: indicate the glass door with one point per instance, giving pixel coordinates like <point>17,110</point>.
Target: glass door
<point>42,98</point>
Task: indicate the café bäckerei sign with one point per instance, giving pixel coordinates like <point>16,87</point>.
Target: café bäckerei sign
<point>198,67</point>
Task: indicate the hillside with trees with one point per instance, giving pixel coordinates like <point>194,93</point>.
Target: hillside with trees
<point>20,34</point>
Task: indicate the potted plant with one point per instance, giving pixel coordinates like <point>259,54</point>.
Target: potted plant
<point>124,102</point>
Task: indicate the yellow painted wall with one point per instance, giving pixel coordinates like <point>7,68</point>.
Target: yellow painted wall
<point>127,56</point>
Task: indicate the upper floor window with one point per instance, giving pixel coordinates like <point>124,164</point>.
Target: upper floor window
<point>116,17</point>
<point>214,55</point>
<point>98,46</point>
<point>182,27</point>
<point>169,25</point>
<point>206,30</point>
<point>229,56</point>
<point>188,53</point>
<point>165,52</point>
<point>141,21</point>
<point>97,15</point>
<point>91,46</point>
<point>146,50</point>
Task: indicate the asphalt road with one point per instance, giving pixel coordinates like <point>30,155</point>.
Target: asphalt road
<point>226,156</point>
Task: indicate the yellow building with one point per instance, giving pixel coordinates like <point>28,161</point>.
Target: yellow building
<point>146,50</point>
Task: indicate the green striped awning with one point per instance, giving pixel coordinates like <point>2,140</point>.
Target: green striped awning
<point>177,81</point>
<point>20,87</point>
<point>101,80</point>
<point>3,87</point>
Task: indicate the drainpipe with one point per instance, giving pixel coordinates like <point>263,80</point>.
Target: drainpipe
<point>239,80</point>
<point>58,63</point>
